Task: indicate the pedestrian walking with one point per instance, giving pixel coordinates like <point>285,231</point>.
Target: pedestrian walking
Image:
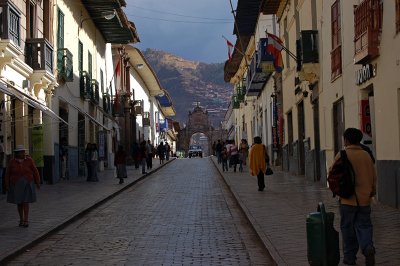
<point>120,163</point>
<point>224,159</point>
<point>233,155</point>
<point>143,155</point>
<point>161,152</point>
<point>257,162</point>
<point>243,153</point>
<point>149,154</point>
<point>94,162</point>
<point>21,178</point>
<point>355,222</point>
<point>218,150</point>
<point>88,161</point>
<point>136,155</point>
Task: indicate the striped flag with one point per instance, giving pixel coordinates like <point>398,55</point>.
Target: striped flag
<point>274,48</point>
<point>230,48</point>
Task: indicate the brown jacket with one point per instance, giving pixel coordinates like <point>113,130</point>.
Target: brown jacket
<point>365,175</point>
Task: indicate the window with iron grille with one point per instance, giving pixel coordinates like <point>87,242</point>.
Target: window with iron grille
<point>336,53</point>
<point>397,16</point>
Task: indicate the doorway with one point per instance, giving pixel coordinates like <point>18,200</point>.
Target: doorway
<point>338,125</point>
<point>301,126</point>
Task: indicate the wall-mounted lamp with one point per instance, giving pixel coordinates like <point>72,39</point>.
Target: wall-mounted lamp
<point>107,15</point>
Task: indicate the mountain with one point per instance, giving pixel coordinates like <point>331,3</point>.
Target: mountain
<point>189,82</point>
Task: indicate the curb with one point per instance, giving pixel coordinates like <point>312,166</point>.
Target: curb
<point>75,217</point>
<point>257,228</point>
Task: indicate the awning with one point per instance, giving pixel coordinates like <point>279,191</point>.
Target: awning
<point>86,114</point>
<point>166,104</point>
<point>26,98</point>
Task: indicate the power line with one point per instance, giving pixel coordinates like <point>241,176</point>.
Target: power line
<point>183,21</point>
<point>180,15</point>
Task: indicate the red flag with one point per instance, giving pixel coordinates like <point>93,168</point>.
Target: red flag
<point>274,48</point>
<point>230,48</point>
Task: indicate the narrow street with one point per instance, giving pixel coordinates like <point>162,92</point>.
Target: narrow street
<point>181,215</point>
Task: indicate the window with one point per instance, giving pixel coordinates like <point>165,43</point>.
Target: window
<point>336,53</point>
<point>397,16</point>
<point>80,57</point>
<point>14,26</point>
<point>90,64</point>
<point>102,81</point>
<point>60,30</point>
<point>30,20</point>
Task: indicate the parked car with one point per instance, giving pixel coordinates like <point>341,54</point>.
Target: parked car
<point>195,151</point>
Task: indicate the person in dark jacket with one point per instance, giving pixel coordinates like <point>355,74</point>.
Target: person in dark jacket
<point>161,152</point>
<point>120,163</point>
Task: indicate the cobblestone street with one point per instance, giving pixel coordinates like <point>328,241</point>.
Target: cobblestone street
<point>181,215</point>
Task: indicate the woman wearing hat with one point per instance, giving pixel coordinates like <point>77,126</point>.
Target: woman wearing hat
<point>21,177</point>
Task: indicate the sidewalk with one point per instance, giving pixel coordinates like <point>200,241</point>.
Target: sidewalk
<point>279,213</point>
<point>58,205</point>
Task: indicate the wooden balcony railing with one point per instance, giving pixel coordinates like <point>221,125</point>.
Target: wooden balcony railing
<point>39,54</point>
<point>367,28</point>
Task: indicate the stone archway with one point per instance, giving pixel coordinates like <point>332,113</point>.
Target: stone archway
<point>197,122</point>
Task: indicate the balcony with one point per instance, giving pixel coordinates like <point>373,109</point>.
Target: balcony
<point>256,77</point>
<point>307,48</point>
<point>118,106</point>
<point>235,102</point>
<point>146,119</point>
<point>139,108</point>
<point>367,29</point>
<point>39,54</point>
<point>107,103</point>
<point>10,19</point>
<point>85,86</point>
<point>241,92</point>
<point>65,65</point>
<point>336,62</point>
<point>95,95</point>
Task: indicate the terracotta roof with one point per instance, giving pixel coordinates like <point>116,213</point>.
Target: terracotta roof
<point>232,66</point>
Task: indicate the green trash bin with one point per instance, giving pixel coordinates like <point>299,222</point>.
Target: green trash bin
<point>322,238</point>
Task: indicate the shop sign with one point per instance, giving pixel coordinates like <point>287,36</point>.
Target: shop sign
<point>364,74</point>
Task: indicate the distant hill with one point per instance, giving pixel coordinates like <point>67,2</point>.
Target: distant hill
<point>189,82</point>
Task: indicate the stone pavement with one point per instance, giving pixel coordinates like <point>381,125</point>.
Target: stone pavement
<point>279,214</point>
<point>59,205</point>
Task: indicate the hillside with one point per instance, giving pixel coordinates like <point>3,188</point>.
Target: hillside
<point>189,82</point>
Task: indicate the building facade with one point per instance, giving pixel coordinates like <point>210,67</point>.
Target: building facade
<point>334,77</point>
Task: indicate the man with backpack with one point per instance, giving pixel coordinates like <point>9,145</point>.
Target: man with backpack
<point>355,210</point>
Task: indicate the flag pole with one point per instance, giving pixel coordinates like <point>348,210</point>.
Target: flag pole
<point>234,46</point>
<point>238,34</point>
<point>292,55</point>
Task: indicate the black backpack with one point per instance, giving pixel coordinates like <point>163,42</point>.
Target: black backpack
<point>341,177</point>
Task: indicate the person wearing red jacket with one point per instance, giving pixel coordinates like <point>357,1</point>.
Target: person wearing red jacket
<point>20,180</point>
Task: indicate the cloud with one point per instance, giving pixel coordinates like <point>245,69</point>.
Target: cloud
<point>193,41</point>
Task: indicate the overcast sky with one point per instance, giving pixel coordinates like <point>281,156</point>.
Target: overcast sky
<point>187,28</point>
